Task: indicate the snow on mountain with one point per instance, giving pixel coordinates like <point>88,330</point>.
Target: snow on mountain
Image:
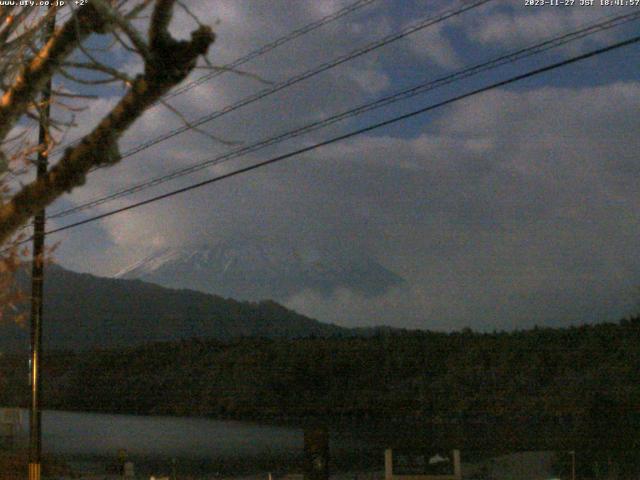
<point>150,263</point>
<point>256,269</point>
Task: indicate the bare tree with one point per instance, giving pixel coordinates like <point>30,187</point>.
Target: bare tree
<point>29,57</point>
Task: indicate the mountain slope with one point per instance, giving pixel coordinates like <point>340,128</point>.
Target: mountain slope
<point>82,311</point>
<point>253,269</point>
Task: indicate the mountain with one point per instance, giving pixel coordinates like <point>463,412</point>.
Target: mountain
<point>254,269</point>
<point>82,311</point>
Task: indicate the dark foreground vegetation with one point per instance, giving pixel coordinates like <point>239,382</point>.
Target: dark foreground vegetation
<point>13,466</point>
<point>565,389</point>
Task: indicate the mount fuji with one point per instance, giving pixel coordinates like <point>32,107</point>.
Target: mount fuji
<point>256,269</point>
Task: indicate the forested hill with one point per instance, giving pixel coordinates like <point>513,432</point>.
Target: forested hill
<point>83,312</point>
<point>539,376</point>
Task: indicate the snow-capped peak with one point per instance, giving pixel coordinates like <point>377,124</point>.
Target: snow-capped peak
<point>255,269</point>
<point>149,264</point>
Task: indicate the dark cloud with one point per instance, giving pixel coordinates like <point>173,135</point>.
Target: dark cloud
<point>510,209</point>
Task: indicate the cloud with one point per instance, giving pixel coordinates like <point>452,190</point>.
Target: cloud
<point>511,208</point>
<point>434,44</point>
<point>510,211</point>
<point>509,26</point>
<point>369,80</point>
<point>534,227</point>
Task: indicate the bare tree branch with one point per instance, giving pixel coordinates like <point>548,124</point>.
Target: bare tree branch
<point>111,15</point>
<point>135,11</point>
<point>159,27</point>
<point>33,76</point>
<point>169,62</point>
<point>202,132</point>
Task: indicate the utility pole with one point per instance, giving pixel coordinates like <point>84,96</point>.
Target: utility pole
<point>37,277</point>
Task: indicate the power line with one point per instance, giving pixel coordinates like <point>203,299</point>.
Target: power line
<point>354,133</point>
<point>425,23</point>
<point>357,5</point>
<point>273,45</point>
<point>534,49</point>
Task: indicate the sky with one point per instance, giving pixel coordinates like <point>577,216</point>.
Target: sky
<point>512,208</point>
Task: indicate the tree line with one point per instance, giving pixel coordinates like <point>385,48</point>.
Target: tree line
<point>562,388</point>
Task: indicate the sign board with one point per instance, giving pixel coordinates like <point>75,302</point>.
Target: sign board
<point>10,420</point>
<point>422,465</point>
<point>128,471</point>
<point>316,454</point>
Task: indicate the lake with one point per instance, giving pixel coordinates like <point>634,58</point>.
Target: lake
<point>92,440</point>
<point>103,434</point>
<point>89,442</point>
